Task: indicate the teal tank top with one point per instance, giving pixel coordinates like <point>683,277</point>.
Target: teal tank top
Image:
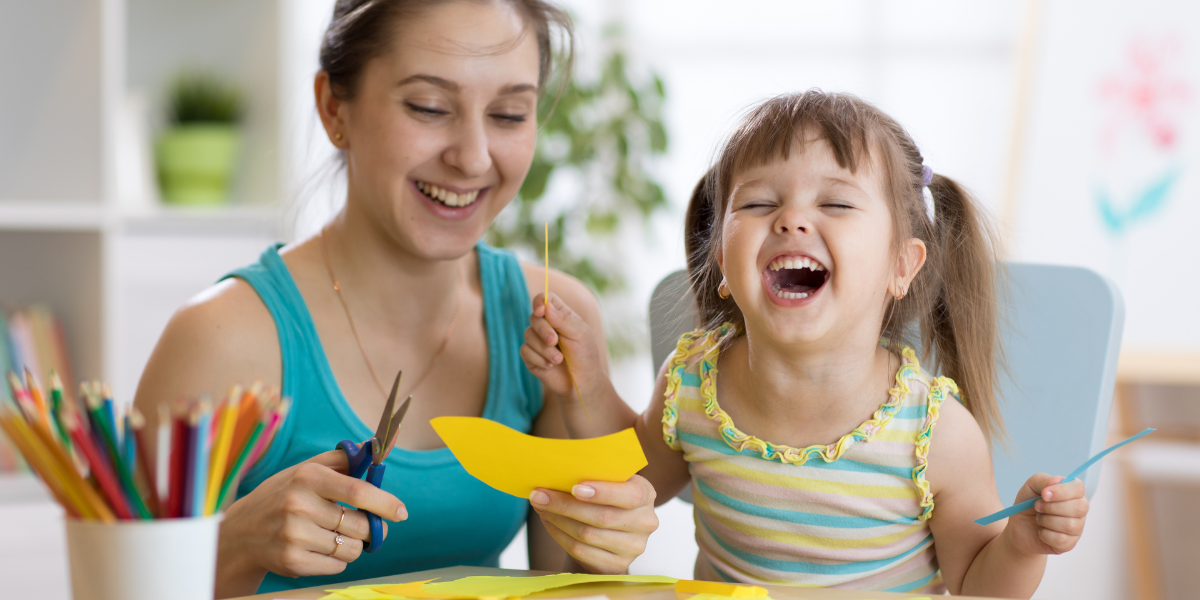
<point>454,519</point>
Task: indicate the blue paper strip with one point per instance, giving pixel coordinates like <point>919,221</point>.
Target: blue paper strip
<point>1028,504</point>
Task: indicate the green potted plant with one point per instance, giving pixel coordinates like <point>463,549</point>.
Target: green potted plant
<point>196,156</point>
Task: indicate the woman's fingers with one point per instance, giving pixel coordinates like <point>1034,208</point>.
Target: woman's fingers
<point>544,350</point>
<point>352,491</point>
<point>598,559</point>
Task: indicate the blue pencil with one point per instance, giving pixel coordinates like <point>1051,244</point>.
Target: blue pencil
<point>199,475</point>
<point>130,446</point>
<point>112,414</point>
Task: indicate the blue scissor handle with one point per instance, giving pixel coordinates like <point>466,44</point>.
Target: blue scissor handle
<point>375,478</point>
<point>358,456</point>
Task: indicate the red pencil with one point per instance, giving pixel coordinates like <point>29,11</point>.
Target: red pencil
<point>138,423</point>
<point>100,469</point>
<point>179,445</point>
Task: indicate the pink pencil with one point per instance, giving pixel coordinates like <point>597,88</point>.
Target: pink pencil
<point>277,417</point>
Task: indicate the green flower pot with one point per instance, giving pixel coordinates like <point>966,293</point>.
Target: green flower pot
<point>196,163</point>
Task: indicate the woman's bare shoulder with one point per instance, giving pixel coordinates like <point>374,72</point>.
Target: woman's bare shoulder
<point>223,336</point>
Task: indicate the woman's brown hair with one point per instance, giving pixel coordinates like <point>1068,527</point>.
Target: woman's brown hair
<point>953,297</point>
<point>363,29</point>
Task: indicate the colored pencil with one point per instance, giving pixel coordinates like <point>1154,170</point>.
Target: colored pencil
<point>143,468</point>
<point>180,445</point>
<point>110,411</point>
<point>129,447</point>
<point>232,480</point>
<point>56,405</point>
<point>54,469</point>
<point>36,459</point>
<point>199,425</point>
<point>22,398</point>
<point>100,470</point>
<point>220,452</point>
<point>277,417</point>
<point>39,399</point>
<point>162,458</point>
<point>91,502</point>
<point>119,465</point>
<point>249,415</point>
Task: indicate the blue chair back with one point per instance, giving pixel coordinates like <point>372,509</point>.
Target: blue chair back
<point>1061,328</point>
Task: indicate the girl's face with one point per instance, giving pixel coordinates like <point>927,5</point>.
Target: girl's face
<point>807,248</point>
<point>442,129</point>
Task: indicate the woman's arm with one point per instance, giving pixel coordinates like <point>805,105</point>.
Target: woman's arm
<point>224,337</point>
<point>1006,558</point>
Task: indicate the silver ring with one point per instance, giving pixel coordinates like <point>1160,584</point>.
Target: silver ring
<point>339,540</point>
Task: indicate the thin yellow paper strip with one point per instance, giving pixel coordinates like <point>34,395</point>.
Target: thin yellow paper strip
<point>719,589</point>
<point>516,464</point>
<point>469,588</point>
<point>517,587</point>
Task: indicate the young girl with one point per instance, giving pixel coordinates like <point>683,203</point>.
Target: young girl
<point>820,451</point>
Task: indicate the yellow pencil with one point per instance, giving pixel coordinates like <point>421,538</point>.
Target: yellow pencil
<point>546,296</point>
<point>220,451</point>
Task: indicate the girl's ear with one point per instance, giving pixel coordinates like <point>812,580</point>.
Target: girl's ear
<point>909,262</point>
<point>331,110</point>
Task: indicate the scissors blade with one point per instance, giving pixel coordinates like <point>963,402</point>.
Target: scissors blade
<point>392,431</point>
<point>385,419</point>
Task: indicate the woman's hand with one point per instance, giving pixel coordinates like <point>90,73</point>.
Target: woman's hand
<point>557,337</point>
<point>286,525</point>
<point>603,526</point>
<point>1056,521</point>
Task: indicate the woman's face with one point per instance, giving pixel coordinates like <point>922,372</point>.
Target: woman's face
<point>442,129</point>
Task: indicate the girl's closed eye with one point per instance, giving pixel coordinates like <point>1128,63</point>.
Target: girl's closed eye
<point>510,118</point>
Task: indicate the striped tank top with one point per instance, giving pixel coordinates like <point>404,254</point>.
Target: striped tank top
<point>853,514</point>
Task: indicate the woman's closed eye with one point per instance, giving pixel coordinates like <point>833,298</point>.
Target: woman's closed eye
<point>510,118</point>
<point>426,111</point>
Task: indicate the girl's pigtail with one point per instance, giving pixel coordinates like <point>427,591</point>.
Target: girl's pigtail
<point>961,324</point>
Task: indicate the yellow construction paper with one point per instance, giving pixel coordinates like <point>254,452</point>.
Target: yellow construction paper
<point>517,587</point>
<point>516,464</point>
<point>413,591</point>
<point>716,597</point>
<point>719,589</point>
<point>471,588</point>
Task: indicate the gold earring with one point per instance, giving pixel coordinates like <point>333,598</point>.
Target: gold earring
<point>723,289</point>
<point>337,136</point>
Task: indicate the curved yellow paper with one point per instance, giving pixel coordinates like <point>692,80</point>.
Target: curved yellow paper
<point>516,464</point>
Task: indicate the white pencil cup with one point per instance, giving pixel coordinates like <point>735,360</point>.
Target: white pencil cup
<point>150,560</point>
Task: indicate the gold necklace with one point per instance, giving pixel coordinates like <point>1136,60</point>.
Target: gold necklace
<point>338,288</point>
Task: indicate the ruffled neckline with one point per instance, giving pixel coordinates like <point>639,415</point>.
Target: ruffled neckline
<point>909,370</point>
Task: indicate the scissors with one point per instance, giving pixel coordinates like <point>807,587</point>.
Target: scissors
<point>368,458</point>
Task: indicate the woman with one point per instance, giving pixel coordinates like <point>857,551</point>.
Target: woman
<point>434,105</point>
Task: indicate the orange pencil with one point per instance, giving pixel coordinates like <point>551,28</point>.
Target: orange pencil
<point>39,400</point>
<point>70,475</point>
<point>249,415</point>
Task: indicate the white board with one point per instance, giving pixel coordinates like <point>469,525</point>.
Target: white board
<point>1107,172</point>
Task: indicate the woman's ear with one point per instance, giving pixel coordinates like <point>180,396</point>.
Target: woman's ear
<point>908,263</point>
<point>331,110</point>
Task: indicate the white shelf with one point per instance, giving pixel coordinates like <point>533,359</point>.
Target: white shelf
<point>209,221</point>
<point>27,215</point>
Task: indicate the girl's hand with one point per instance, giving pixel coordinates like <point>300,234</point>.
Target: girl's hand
<point>286,525</point>
<point>602,526</point>
<point>1056,521</point>
<point>555,337</point>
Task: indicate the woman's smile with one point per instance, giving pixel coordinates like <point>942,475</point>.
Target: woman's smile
<point>453,204</point>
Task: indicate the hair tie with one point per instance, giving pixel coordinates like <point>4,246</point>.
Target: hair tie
<point>926,179</point>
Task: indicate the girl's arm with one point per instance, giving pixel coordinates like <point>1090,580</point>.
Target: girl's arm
<point>555,327</point>
<point>1006,558</point>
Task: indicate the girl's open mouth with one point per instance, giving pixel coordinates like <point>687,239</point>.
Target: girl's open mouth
<point>795,277</point>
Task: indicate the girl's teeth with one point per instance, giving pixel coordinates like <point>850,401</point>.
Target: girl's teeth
<point>795,263</point>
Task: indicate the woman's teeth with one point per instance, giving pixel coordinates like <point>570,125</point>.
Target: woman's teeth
<point>447,197</point>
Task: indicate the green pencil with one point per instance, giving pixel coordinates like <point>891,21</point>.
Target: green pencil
<point>96,408</point>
